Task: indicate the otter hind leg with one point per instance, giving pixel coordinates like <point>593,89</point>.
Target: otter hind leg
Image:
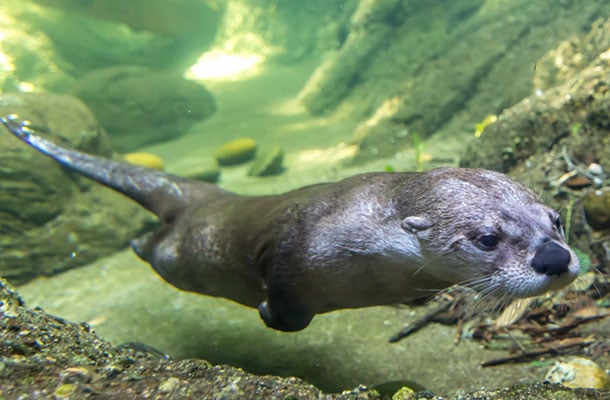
<point>143,247</point>
<point>146,246</point>
<point>159,250</point>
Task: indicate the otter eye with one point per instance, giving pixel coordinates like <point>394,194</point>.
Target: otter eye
<point>559,224</point>
<point>487,242</point>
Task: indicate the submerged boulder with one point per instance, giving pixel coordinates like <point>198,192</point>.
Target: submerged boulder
<point>139,106</point>
<point>52,220</point>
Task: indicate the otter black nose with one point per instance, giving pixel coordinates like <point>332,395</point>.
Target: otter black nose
<point>551,259</point>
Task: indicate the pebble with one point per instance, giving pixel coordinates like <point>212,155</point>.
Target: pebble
<point>268,163</point>
<point>579,372</point>
<point>147,160</point>
<point>236,151</point>
<point>597,209</point>
<point>169,385</point>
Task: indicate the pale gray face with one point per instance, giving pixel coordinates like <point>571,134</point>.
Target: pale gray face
<point>521,253</point>
<point>498,237</point>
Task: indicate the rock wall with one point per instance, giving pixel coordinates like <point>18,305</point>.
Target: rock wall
<point>52,220</point>
<point>443,66</point>
<point>557,139</point>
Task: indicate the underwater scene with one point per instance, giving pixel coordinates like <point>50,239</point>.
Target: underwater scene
<point>282,199</point>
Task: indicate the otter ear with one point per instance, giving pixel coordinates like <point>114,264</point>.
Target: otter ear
<point>416,223</point>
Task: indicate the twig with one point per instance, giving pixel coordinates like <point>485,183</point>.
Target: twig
<point>565,345</point>
<point>420,323</point>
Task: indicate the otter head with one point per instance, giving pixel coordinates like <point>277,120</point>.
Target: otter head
<point>486,231</point>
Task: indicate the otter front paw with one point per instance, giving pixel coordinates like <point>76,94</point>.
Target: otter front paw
<point>287,320</point>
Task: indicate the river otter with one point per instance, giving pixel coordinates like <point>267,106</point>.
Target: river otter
<point>371,239</point>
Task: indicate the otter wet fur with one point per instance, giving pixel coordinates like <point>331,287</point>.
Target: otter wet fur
<point>371,239</point>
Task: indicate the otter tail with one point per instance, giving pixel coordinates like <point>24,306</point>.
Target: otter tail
<point>163,194</point>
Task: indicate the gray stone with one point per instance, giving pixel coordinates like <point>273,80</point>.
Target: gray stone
<point>574,114</point>
<point>269,162</point>
<point>174,18</point>
<point>36,189</point>
<point>236,151</point>
<point>28,59</point>
<point>52,220</point>
<point>337,75</point>
<point>94,34</point>
<point>138,106</point>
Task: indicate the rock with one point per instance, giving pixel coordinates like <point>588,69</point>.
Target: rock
<point>597,209</point>
<point>332,81</point>
<point>96,34</point>
<point>550,140</point>
<point>205,169</point>
<point>404,393</point>
<point>283,31</point>
<point>571,56</point>
<point>578,373</point>
<point>436,71</point>
<point>147,160</point>
<point>574,114</point>
<point>138,106</point>
<point>49,221</point>
<point>28,61</point>
<point>209,174</point>
<point>516,135</point>
<point>532,392</point>
<point>174,18</point>
<point>170,385</point>
<point>65,391</point>
<point>236,151</point>
<point>269,162</point>
<point>38,190</point>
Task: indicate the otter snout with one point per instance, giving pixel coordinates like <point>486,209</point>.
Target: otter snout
<point>551,259</point>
